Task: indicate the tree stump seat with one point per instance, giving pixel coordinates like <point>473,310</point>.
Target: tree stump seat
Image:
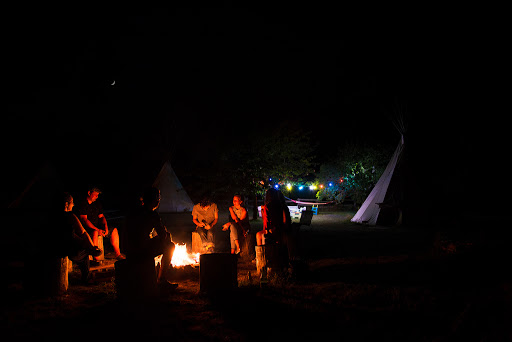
<point>136,278</point>
<point>47,276</point>
<point>271,257</point>
<point>100,246</point>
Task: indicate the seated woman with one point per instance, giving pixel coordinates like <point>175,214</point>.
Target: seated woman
<point>205,215</point>
<point>276,218</point>
<point>238,223</point>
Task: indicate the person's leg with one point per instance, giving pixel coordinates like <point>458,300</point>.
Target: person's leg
<point>81,258</point>
<point>94,237</point>
<point>210,236</point>
<point>259,238</point>
<point>210,240</point>
<point>233,239</point>
<point>203,235</point>
<point>168,251</point>
<point>114,240</point>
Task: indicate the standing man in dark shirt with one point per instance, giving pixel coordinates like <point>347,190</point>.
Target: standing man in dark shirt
<point>91,215</point>
<point>141,242</point>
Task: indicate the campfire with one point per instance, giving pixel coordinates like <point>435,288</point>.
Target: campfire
<point>181,257</point>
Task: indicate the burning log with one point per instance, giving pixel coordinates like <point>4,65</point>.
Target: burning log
<point>182,258</point>
<point>184,264</point>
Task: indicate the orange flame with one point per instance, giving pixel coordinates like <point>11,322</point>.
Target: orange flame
<point>181,257</point>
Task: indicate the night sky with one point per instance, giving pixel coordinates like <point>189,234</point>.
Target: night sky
<point>121,89</point>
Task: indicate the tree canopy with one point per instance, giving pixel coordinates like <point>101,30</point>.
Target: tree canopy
<point>272,156</point>
<point>353,173</point>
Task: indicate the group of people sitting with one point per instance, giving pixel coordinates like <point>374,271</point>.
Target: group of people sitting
<point>83,229</point>
<point>275,214</point>
<point>205,216</point>
<point>146,236</point>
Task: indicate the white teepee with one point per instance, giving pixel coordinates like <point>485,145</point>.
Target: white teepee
<point>370,209</point>
<point>173,197</point>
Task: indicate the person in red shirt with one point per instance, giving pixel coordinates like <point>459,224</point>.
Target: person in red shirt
<point>276,218</point>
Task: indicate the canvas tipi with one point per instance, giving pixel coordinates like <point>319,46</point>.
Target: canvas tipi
<point>381,195</point>
<point>173,197</point>
<point>383,204</point>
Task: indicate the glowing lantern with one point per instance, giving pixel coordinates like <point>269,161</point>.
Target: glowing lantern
<point>289,186</point>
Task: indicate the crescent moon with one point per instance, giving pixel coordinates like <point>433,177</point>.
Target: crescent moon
<point>113,82</point>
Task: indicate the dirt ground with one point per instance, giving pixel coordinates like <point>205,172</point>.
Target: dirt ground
<point>353,283</point>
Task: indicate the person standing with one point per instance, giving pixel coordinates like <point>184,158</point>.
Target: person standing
<point>91,215</point>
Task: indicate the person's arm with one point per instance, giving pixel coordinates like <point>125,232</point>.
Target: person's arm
<point>79,229</point>
<point>88,223</point>
<point>159,227</point>
<point>196,221</point>
<point>243,215</point>
<point>103,221</point>
<point>242,219</point>
<point>216,215</point>
<point>233,216</point>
